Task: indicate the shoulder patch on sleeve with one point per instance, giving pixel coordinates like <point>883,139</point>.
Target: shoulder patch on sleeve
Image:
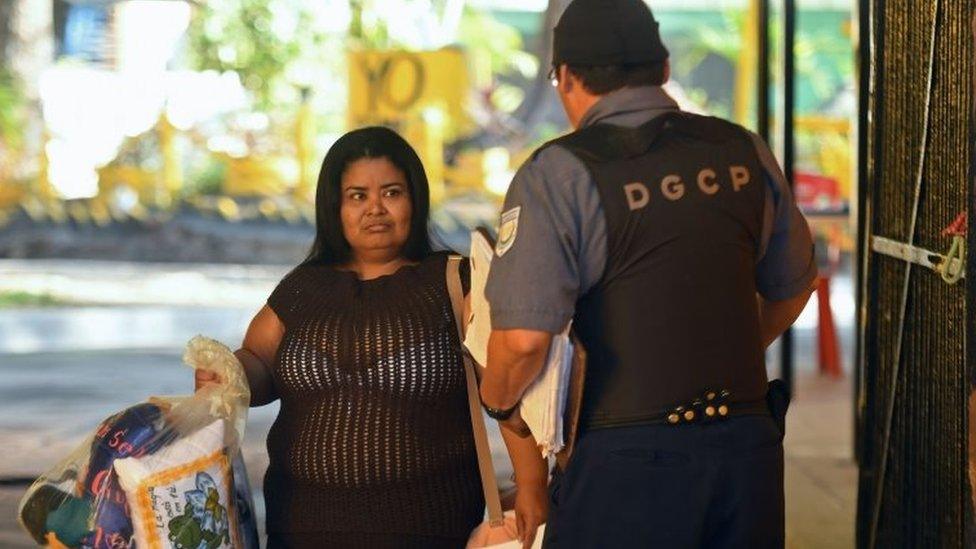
<point>507,230</point>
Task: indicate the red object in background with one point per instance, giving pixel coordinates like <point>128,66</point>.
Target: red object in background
<point>827,350</point>
<point>959,226</point>
<point>817,192</point>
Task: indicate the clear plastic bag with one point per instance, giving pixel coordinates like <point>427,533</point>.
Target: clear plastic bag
<point>163,473</point>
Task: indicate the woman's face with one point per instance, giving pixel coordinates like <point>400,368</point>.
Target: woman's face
<point>376,206</point>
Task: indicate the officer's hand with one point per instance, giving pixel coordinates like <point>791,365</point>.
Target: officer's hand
<point>205,378</point>
<point>531,510</point>
<point>516,424</point>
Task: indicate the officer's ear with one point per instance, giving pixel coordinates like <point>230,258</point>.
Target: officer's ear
<point>667,72</point>
<point>566,81</point>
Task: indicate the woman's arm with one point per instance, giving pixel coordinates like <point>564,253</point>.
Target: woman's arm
<point>516,357</point>
<point>257,355</point>
<point>531,480</point>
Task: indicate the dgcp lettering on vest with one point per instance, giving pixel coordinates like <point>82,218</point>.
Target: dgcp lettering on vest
<point>673,187</point>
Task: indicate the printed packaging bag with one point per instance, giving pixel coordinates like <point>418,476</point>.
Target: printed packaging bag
<point>183,495</point>
<point>166,473</point>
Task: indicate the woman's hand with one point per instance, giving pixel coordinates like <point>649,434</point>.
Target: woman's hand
<point>531,510</point>
<point>532,480</point>
<point>205,378</point>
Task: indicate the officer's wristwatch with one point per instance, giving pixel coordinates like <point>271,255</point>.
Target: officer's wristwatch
<point>499,414</point>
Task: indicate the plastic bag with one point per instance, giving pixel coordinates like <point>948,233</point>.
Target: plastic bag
<point>163,473</point>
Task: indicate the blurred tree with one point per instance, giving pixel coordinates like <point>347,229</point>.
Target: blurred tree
<point>271,44</point>
<point>11,110</point>
<point>408,24</point>
<point>824,55</point>
<point>500,66</point>
<point>365,29</point>
<point>501,44</point>
<point>724,41</point>
<point>7,10</point>
<point>275,45</point>
<point>12,101</point>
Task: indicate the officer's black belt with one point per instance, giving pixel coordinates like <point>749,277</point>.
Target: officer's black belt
<point>705,413</point>
<point>712,406</point>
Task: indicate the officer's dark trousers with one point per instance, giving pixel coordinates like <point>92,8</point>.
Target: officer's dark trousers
<point>715,485</point>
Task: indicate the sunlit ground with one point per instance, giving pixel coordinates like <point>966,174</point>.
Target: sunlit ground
<point>108,335</point>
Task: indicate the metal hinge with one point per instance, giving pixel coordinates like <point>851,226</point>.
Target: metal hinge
<point>937,262</point>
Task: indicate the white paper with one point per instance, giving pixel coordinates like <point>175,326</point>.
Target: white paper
<point>544,402</point>
<point>479,325</point>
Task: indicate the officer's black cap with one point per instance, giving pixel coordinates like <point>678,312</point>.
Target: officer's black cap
<point>607,32</point>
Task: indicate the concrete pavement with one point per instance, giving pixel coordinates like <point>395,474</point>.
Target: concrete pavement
<point>50,401</point>
<point>64,369</point>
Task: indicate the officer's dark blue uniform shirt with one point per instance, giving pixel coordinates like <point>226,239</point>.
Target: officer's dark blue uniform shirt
<point>552,244</point>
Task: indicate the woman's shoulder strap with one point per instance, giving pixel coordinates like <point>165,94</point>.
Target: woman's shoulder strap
<point>454,288</point>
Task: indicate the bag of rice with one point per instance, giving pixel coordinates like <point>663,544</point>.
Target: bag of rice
<point>164,473</point>
<point>183,496</point>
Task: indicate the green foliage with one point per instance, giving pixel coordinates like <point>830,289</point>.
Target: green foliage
<point>724,41</point>
<point>9,299</point>
<point>825,63</point>
<point>207,178</point>
<point>11,109</point>
<point>481,33</point>
<point>498,47</point>
<point>267,43</point>
<point>367,29</point>
<point>824,57</point>
<point>279,46</point>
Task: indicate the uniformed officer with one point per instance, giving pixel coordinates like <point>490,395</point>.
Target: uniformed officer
<point>674,245</point>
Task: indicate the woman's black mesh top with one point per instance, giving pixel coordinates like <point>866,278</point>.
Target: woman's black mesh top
<point>374,434</point>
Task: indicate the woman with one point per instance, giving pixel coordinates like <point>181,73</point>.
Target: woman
<point>373,444</point>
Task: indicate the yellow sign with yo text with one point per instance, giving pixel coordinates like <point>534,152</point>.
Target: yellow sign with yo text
<point>391,87</point>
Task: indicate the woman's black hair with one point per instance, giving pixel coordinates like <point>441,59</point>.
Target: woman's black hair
<point>330,246</point>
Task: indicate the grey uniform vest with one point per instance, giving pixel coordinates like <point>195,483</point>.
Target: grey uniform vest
<point>675,312</point>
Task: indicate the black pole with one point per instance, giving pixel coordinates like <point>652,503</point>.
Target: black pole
<point>789,36</point>
<point>871,23</point>
<point>860,262</point>
<point>762,83</point>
